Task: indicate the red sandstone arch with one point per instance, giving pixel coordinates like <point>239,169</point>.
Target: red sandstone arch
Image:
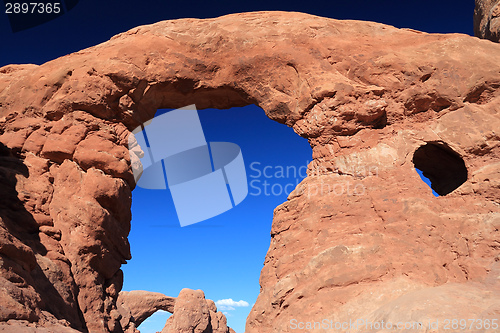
<point>364,94</point>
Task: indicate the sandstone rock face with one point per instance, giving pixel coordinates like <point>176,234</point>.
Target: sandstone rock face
<point>362,237</point>
<point>487,19</point>
<point>195,314</point>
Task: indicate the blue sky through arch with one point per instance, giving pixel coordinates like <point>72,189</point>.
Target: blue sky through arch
<point>222,256</point>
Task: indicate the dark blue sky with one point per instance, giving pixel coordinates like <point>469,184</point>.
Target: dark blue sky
<point>223,255</point>
<point>91,22</point>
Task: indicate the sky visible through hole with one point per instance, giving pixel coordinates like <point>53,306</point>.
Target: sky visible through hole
<point>427,181</point>
<point>222,256</point>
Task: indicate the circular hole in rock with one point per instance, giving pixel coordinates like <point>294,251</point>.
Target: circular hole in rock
<point>444,168</point>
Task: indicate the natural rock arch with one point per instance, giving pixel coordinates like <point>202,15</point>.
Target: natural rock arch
<point>362,93</point>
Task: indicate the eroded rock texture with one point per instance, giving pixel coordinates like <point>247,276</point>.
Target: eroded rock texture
<point>487,19</point>
<point>361,237</point>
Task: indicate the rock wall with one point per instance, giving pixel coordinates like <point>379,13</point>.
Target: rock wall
<point>360,237</point>
<point>487,19</point>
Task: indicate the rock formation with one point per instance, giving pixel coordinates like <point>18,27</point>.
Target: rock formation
<point>136,306</point>
<point>193,313</point>
<point>487,19</point>
<point>362,237</point>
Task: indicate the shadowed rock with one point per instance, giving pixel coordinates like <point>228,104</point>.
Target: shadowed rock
<point>487,19</point>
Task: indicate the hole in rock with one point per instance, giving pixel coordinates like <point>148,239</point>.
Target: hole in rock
<point>222,256</point>
<point>443,168</point>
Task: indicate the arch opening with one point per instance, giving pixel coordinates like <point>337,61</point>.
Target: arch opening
<point>441,165</point>
<point>155,322</point>
<point>223,255</point>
